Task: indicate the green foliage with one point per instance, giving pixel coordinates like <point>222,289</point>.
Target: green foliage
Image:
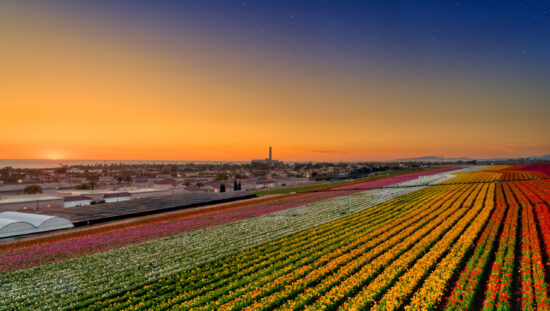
<point>84,186</point>
<point>33,189</point>
<point>222,176</point>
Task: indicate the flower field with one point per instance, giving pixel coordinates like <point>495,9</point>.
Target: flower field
<point>477,240</point>
<point>26,254</point>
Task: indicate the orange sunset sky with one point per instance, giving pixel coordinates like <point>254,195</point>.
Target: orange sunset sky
<point>90,83</point>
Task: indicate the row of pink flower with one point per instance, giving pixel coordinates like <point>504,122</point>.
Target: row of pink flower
<point>70,246</point>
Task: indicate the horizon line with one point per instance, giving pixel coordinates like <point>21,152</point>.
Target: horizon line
<point>291,160</point>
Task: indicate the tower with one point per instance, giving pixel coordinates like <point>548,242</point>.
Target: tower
<point>270,153</point>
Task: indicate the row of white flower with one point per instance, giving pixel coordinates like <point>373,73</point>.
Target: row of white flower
<point>101,274</point>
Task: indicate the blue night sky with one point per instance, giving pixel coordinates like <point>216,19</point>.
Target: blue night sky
<point>499,34</point>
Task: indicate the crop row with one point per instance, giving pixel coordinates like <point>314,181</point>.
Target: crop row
<point>499,288</point>
<point>409,263</point>
<point>94,241</point>
<point>402,277</point>
<point>533,287</point>
<point>225,284</point>
<point>104,274</point>
<point>469,282</point>
<point>324,272</point>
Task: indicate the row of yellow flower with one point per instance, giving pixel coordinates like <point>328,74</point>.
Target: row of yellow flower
<point>474,177</point>
<point>465,289</point>
<point>431,293</point>
<point>420,240</point>
<point>216,282</point>
<point>205,277</point>
<point>426,252</point>
<point>319,287</point>
<point>402,228</point>
<point>204,274</point>
<point>257,290</point>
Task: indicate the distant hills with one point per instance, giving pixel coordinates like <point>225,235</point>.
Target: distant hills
<point>440,159</point>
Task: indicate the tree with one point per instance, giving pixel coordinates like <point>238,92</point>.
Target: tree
<point>174,171</point>
<point>239,186</point>
<point>82,187</point>
<point>186,184</point>
<point>92,176</point>
<point>221,176</point>
<point>33,189</point>
<point>235,186</point>
<point>199,184</point>
<point>128,178</point>
<point>222,188</point>
<point>92,184</point>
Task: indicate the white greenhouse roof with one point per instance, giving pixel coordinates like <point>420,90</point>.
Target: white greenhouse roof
<point>14,223</point>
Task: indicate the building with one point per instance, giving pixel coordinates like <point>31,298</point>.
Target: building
<point>149,192</point>
<point>32,202</point>
<point>77,200</point>
<point>267,161</point>
<point>166,183</point>
<point>78,180</point>
<point>106,180</point>
<point>117,197</point>
<point>143,183</point>
<point>134,192</point>
<point>14,224</point>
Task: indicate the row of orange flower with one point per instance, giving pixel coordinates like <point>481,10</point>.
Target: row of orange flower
<point>469,282</point>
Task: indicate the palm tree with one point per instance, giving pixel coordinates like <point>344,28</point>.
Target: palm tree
<point>92,184</point>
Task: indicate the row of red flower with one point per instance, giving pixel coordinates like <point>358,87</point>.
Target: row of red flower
<point>526,199</point>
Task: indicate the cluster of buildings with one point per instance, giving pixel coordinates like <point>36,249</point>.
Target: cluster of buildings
<point>66,187</point>
<point>80,186</point>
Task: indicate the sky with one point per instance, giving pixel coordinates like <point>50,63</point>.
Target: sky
<point>317,80</point>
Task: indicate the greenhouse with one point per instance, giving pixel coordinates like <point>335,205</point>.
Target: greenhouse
<point>14,223</point>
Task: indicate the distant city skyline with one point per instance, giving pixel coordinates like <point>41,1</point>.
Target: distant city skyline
<point>218,80</point>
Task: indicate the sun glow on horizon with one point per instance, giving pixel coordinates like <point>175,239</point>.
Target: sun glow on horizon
<point>54,155</point>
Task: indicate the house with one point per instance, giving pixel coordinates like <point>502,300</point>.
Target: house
<point>77,200</point>
<point>117,197</point>
<point>143,183</point>
<point>149,192</point>
<point>166,183</point>
<point>106,180</point>
<point>80,180</point>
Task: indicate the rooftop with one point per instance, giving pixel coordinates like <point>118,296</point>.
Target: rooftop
<point>28,198</point>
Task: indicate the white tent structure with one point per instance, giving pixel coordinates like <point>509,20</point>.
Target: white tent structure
<point>14,223</point>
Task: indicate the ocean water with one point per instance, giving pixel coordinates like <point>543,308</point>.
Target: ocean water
<point>16,163</point>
